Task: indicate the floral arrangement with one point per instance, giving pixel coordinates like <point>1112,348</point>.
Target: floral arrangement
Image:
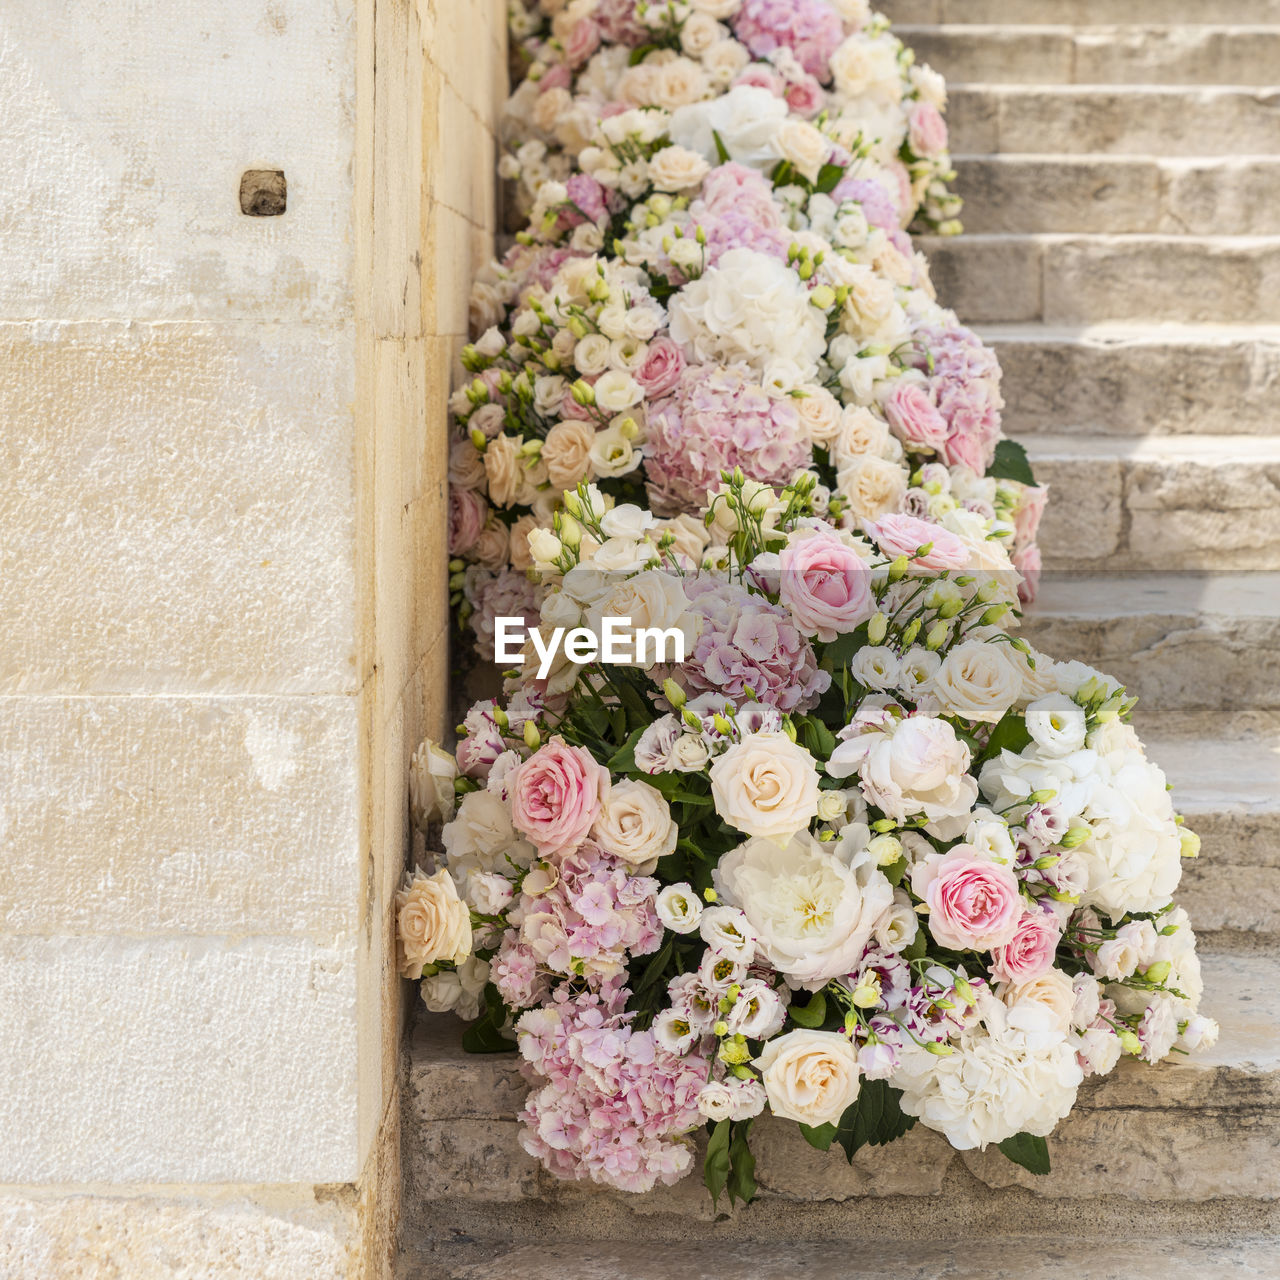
<point>863,858</point>
<point>830,62</point>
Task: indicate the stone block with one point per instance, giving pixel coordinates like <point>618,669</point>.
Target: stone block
<point>147,1060</point>
<point>1086,519</point>
<point>127,131</point>
<point>183,816</point>
<point>987,279</point>
<point>173,519</point>
<point>194,1235</point>
<point>1233,196</point>
<point>1161,278</point>
<point>976,56</point>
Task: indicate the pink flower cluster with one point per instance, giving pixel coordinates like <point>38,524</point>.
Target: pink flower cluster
<point>614,1102</point>
<point>811,29</point>
<point>507,594</point>
<point>714,420</point>
<point>587,917</point>
<point>747,641</point>
<point>737,211</point>
<point>964,388</point>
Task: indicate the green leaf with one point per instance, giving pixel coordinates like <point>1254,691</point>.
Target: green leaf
<point>874,1119</point>
<point>716,1165</point>
<point>624,759</point>
<point>829,178</point>
<point>817,737</point>
<point>1010,463</point>
<point>1030,1152</point>
<point>814,1014</point>
<point>821,1137</point>
<point>742,1166</point>
<point>638,55</point>
<point>721,150</point>
<point>483,1036</point>
<point>1010,734</point>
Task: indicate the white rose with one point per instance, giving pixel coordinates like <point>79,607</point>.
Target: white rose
<point>724,60</point>
<point>432,771</point>
<point>635,824</point>
<point>678,906</point>
<point>690,753</point>
<point>591,355</point>
<point>979,681</point>
<point>1056,724</point>
<point>746,119</point>
<point>481,836</point>
<point>432,922</point>
<point>1039,1011</point>
<point>813,912</point>
<point>810,1076</point>
<point>699,32</point>
<point>676,169</point>
<point>867,66</point>
<point>654,601</point>
<point>617,390</point>
<point>910,766</point>
<point>766,785</point>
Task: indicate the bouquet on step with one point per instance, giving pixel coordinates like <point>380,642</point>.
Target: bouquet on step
<point>742,68</point>
<point>790,819</point>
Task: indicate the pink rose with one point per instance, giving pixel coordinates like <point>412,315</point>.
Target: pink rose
<point>556,795</point>
<point>915,418</point>
<point>761,76</point>
<point>805,97</point>
<point>974,905</point>
<point>928,130</point>
<point>825,585</point>
<point>557,77</point>
<point>1026,519</point>
<point>663,365</point>
<point>1027,562</point>
<point>468,512</point>
<point>582,42</point>
<point>965,449</point>
<point>901,535</point>
<point>1031,950</point>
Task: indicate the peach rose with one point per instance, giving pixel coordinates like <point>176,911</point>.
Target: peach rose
<point>432,921</point>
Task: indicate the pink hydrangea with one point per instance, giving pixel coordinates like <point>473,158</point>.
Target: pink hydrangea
<point>556,794</point>
<point>737,211</point>
<point>746,641</point>
<point>507,594</point>
<point>811,29</point>
<point>714,420</point>
<point>965,387</point>
<point>609,1103</point>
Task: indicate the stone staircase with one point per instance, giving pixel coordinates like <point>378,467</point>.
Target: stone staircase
<point>1123,254</point>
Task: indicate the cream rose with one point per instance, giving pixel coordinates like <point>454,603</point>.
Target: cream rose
<point>503,470</point>
<point>677,168</point>
<point>635,825</point>
<point>652,599</point>
<point>432,771</point>
<point>567,452</point>
<point>803,146</point>
<point>766,785</point>
<point>872,486</point>
<point>979,681</point>
<point>810,1076</point>
<point>433,923</point>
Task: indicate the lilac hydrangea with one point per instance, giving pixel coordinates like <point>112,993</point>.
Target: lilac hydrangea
<point>745,641</point>
<point>811,29</point>
<point>717,419</point>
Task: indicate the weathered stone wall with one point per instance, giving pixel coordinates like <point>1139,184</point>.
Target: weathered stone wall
<point>222,609</point>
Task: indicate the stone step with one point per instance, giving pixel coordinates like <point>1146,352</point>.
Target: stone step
<point>1112,120</point>
<point>1081,12</point>
<point>1033,1258</point>
<point>1162,503</point>
<point>1231,195</point>
<point>1183,1144</point>
<point>1166,55</point>
<point>1063,279</point>
<point>1163,379</point>
<point>1181,641</point>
